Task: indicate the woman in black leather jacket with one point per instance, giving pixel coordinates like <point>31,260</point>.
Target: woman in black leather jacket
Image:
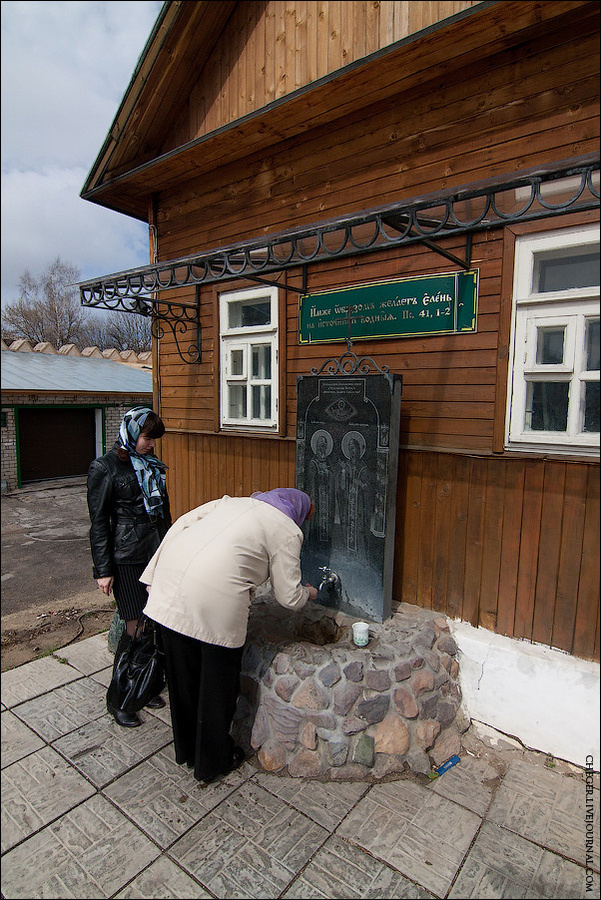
<point>129,514</point>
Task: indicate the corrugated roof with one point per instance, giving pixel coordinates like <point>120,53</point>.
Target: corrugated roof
<point>45,372</point>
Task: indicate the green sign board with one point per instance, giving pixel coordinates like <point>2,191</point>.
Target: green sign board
<point>401,307</point>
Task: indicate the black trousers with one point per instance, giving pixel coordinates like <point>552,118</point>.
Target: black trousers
<point>204,683</point>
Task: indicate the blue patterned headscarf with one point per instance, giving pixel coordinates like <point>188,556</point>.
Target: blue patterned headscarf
<point>149,469</point>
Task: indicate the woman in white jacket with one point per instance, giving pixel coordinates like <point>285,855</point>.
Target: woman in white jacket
<point>200,583</point>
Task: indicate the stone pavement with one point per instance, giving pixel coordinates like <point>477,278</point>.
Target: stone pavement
<point>93,810</point>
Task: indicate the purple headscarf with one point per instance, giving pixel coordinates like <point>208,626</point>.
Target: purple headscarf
<point>295,504</point>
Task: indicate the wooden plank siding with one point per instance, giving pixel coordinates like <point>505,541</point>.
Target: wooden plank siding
<point>448,381</point>
<point>202,467</point>
<point>449,396</point>
<point>468,539</point>
<point>483,121</point>
<point>147,151</point>
<point>268,50</point>
<point>480,515</point>
<point>503,540</point>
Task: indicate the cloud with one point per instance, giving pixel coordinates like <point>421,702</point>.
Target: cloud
<point>65,68</point>
<point>44,217</point>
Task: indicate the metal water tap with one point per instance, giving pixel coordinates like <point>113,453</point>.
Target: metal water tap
<point>328,578</point>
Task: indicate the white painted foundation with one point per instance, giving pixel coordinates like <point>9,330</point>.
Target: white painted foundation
<point>547,699</point>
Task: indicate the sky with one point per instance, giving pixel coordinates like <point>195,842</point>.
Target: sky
<point>65,68</point>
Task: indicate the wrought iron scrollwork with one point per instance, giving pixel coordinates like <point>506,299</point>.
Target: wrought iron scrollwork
<point>178,318</point>
<point>547,191</point>
<point>525,197</point>
<point>178,325</point>
<point>349,364</point>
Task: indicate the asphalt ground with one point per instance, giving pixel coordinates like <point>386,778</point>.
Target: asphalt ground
<point>49,595</point>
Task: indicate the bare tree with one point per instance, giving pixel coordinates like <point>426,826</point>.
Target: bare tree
<point>124,331</point>
<point>93,332</point>
<point>128,331</point>
<point>48,307</point>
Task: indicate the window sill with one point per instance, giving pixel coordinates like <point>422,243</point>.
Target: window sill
<point>548,450</point>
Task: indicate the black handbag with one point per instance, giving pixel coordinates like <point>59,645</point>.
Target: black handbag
<point>139,671</point>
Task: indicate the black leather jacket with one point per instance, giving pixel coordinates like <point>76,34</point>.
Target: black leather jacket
<point>122,531</point>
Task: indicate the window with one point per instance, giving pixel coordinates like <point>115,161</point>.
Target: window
<point>553,400</point>
<point>249,358</point>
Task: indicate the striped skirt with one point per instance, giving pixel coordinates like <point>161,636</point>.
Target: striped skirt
<point>130,594</point>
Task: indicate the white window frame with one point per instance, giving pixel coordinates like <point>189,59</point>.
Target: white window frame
<point>242,339</point>
<point>532,310</point>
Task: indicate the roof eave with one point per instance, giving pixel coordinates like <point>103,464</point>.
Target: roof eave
<point>136,124</point>
<point>311,106</point>
<point>145,63</point>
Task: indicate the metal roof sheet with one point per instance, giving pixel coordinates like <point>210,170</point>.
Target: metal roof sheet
<point>49,372</point>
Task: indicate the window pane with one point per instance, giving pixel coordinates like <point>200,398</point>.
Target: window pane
<point>261,401</point>
<point>261,361</point>
<point>565,269</point>
<point>549,346</point>
<point>592,345</point>
<point>246,313</point>
<point>591,406</point>
<point>237,401</point>
<point>237,362</point>
<point>547,406</point>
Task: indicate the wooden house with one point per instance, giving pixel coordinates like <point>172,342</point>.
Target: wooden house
<point>280,151</point>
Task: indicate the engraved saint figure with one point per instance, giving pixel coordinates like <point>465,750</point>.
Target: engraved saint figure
<point>354,494</point>
<point>321,489</point>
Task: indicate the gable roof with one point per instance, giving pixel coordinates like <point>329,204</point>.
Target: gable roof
<point>161,81</point>
<point>133,163</point>
<point>41,372</point>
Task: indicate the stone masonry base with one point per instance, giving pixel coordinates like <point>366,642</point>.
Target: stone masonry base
<point>313,704</point>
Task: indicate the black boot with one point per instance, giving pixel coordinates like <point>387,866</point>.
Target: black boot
<point>125,719</point>
<point>156,703</point>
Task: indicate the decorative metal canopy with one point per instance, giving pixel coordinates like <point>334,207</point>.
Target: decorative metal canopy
<point>553,190</point>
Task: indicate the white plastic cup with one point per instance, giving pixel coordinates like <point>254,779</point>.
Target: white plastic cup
<point>360,634</point>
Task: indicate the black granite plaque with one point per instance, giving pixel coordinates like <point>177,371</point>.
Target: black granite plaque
<point>346,460</point>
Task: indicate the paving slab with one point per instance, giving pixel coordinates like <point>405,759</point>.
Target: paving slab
<point>17,739</point>
<point>163,880</point>
<point>92,851</point>
<point>103,750</point>
<point>547,808</point>
<point>416,831</point>
<point>64,710</point>
<point>88,656</point>
<point>251,846</point>
<point>94,810</point>
<point>35,678</point>
<point>165,800</point>
<point>470,783</point>
<point>326,804</point>
<point>286,834</point>
<point>341,871</point>
<point>503,864</point>
<point>38,790</point>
